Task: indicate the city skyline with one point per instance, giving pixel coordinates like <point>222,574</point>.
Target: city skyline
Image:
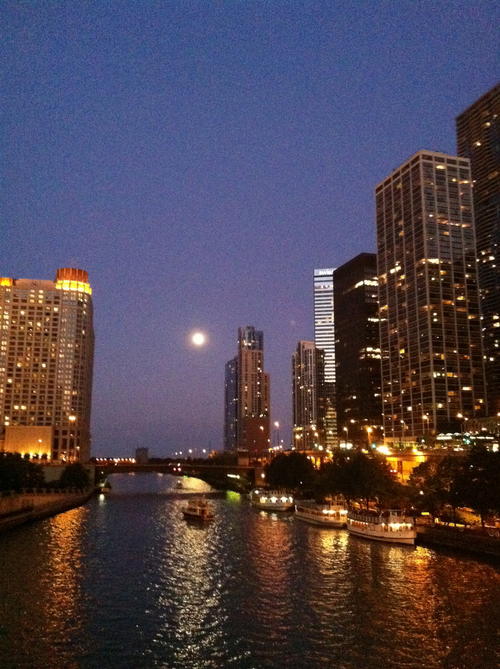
<point>201,182</point>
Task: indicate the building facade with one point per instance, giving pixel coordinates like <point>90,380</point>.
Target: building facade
<point>430,328</point>
<point>246,425</point>
<point>324,338</point>
<point>230,404</point>
<point>357,350</point>
<point>308,397</point>
<point>46,361</point>
<point>478,138</point>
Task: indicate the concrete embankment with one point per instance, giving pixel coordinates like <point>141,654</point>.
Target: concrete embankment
<point>467,540</point>
<point>16,509</point>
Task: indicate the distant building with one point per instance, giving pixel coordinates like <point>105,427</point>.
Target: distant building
<point>324,338</point>
<point>231,404</point>
<point>430,329</point>
<point>246,425</point>
<point>357,349</point>
<point>478,138</point>
<point>308,397</point>
<point>46,359</point>
<point>142,456</point>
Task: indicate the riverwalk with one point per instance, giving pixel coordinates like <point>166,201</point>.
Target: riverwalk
<point>19,508</point>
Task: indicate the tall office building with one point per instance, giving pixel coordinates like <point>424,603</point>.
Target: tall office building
<point>324,338</point>
<point>247,396</point>
<point>430,330</point>
<point>357,349</point>
<point>308,397</point>
<point>478,138</point>
<point>46,358</point>
<point>230,404</point>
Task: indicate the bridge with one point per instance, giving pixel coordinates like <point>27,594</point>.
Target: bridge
<point>239,476</point>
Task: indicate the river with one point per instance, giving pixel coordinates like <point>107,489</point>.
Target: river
<point>126,582</point>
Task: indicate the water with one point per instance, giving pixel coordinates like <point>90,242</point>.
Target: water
<point>126,582</point>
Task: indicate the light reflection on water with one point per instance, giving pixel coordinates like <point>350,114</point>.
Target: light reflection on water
<point>126,582</point>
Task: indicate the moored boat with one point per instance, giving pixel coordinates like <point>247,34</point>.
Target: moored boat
<point>271,500</point>
<point>198,509</point>
<point>327,515</point>
<point>390,526</point>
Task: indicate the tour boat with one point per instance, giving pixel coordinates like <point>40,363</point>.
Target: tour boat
<point>390,526</point>
<point>327,515</point>
<point>271,500</point>
<point>198,509</point>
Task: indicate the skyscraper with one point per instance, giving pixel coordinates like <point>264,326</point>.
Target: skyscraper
<point>46,358</point>
<point>357,348</point>
<point>231,404</point>
<point>308,397</point>
<point>478,138</point>
<point>430,332</point>
<point>324,337</point>
<point>246,424</point>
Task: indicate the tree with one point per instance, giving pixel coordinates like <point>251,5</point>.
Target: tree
<point>16,473</point>
<point>424,490</point>
<point>478,482</point>
<point>372,479</point>
<point>360,476</point>
<point>75,476</point>
<point>335,477</point>
<point>293,470</point>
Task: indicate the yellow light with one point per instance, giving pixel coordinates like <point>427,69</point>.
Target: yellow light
<point>78,286</point>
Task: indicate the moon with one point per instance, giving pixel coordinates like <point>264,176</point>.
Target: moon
<point>198,339</point>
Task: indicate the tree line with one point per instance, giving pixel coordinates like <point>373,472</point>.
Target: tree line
<point>436,486</point>
<point>471,480</point>
<point>18,473</point>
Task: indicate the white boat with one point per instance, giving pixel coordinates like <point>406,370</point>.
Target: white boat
<point>327,515</point>
<point>271,500</point>
<point>198,509</point>
<point>390,526</point>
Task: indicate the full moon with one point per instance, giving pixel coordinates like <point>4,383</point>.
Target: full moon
<point>198,338</point>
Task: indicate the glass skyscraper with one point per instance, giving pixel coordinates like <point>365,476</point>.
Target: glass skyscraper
<point>324,338</point>
<point>357,349</point>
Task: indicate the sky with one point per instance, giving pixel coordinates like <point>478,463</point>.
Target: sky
<point>200,159</point>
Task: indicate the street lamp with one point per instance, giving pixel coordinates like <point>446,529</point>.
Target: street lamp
<point>463,419</point>
<point>277,426</point>
<point>425,424</point>
<point>369,430</point>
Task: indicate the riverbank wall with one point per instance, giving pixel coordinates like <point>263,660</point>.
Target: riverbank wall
<point>19,508</point>
<point>469,541</point>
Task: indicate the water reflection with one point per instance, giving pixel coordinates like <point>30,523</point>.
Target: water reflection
<point>126,582</point>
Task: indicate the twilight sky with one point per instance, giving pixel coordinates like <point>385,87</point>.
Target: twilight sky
<point>200,159</point>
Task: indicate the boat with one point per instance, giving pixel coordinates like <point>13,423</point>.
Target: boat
<point>333,514</point>
<point>390,526</point>
<point>271,500</point>
<point>198,509</point>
